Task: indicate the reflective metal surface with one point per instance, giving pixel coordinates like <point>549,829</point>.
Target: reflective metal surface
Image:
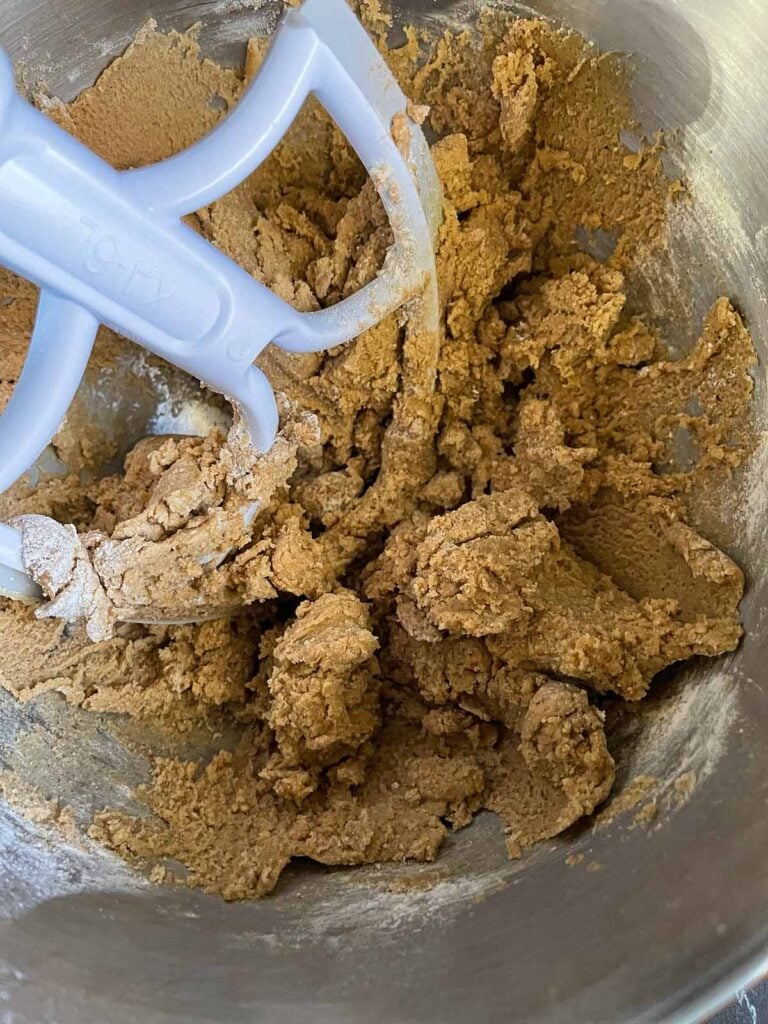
<point>668,921</point>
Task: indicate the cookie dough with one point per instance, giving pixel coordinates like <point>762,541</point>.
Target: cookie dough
<point>459,543</point>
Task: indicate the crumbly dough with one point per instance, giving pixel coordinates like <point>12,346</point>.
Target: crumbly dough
<point>458,543</point>
<point>165,530</point>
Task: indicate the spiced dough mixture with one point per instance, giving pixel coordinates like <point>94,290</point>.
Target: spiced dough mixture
<point>461,542</point>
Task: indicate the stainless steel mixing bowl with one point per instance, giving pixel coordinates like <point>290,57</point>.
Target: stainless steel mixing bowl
<point>653,924</point>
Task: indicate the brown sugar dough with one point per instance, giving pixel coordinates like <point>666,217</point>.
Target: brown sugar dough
<point>323,688</point>
<point>459,540</point>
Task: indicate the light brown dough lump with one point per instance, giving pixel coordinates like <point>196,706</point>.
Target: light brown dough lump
<point>461,542</point>
<point>323,688</point>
